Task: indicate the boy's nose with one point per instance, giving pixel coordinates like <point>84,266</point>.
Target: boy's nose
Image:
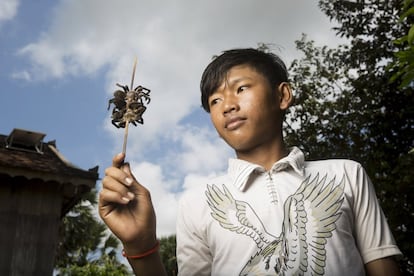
<point>230,104</point>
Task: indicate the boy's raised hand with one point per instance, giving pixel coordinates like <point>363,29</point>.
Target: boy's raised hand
<point>126,208</point>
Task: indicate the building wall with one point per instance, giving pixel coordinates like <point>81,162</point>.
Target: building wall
<point>29,222</point>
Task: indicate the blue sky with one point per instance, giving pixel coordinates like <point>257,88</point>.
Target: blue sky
<point>60,61</point>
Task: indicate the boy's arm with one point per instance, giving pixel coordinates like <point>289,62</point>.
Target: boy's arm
<point>126,208</point>
<point>383,267</point>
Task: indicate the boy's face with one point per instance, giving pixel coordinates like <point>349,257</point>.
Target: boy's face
<point>246,111</point>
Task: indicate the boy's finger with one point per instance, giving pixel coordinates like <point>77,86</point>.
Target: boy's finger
<point>136,187</point>
<point>125,167</point>
<point>109,196</point>
<point>118,160</point>
<point>119,175</point>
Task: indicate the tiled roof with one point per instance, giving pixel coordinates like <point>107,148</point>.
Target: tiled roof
<point>48,163</point>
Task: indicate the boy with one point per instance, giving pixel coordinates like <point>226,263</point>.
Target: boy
<point>273,213</point>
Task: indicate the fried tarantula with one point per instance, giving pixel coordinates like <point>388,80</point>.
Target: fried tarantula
<point>128,105</point>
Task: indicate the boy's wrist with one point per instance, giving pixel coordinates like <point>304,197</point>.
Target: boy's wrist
<point>142,255</point>
<point>140,247</point>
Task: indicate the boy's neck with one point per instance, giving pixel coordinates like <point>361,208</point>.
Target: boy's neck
<point>264,156</point>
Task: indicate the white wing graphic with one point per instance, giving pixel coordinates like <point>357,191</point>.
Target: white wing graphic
<point>236,216</point>
<point>309,219</point>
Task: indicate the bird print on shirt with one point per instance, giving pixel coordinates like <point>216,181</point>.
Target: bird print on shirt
<point>309,219</point>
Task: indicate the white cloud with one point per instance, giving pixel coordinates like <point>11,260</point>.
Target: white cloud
<point>172,40</point>
<point>22,75</point>
<point>46,59</point>
<point>194,180</point>
<point>165,201</point>
<point>202,151</point>
<point>8,10</point>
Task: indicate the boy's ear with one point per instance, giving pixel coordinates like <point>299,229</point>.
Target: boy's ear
<point>286,95</point>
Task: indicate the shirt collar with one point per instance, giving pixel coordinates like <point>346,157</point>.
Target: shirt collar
<point>240,170</point>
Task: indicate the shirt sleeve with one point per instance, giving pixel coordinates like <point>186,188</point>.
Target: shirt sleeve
<point>193,254</point>
<point>373,235</point>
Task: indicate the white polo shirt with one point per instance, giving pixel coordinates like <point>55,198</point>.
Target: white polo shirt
<point>311,218</point>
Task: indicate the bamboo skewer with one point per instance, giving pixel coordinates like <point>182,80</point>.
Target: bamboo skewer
<point>125,138</point>
<point>128,101</point>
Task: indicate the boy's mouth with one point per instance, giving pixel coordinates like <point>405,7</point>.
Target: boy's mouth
<point>233,123</point>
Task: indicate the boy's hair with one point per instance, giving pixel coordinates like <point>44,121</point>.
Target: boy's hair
<point>269,65</point>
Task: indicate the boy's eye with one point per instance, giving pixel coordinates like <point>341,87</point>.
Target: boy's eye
<point>214,101</point>
<point>241,88</point>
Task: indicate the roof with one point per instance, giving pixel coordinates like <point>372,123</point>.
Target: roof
<point>48,165</point>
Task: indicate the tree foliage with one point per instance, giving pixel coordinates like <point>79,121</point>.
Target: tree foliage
<point>168,254</point>
<point>85,248</point>
<point>404,63</point>
<point>346,106</point>
<point>104,266</point>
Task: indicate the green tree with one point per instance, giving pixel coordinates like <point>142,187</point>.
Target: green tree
<point>85,247</point>
<point>104,266</point>
<point>168,254</point>
<point>346,106</point>
<point>403,66</point>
